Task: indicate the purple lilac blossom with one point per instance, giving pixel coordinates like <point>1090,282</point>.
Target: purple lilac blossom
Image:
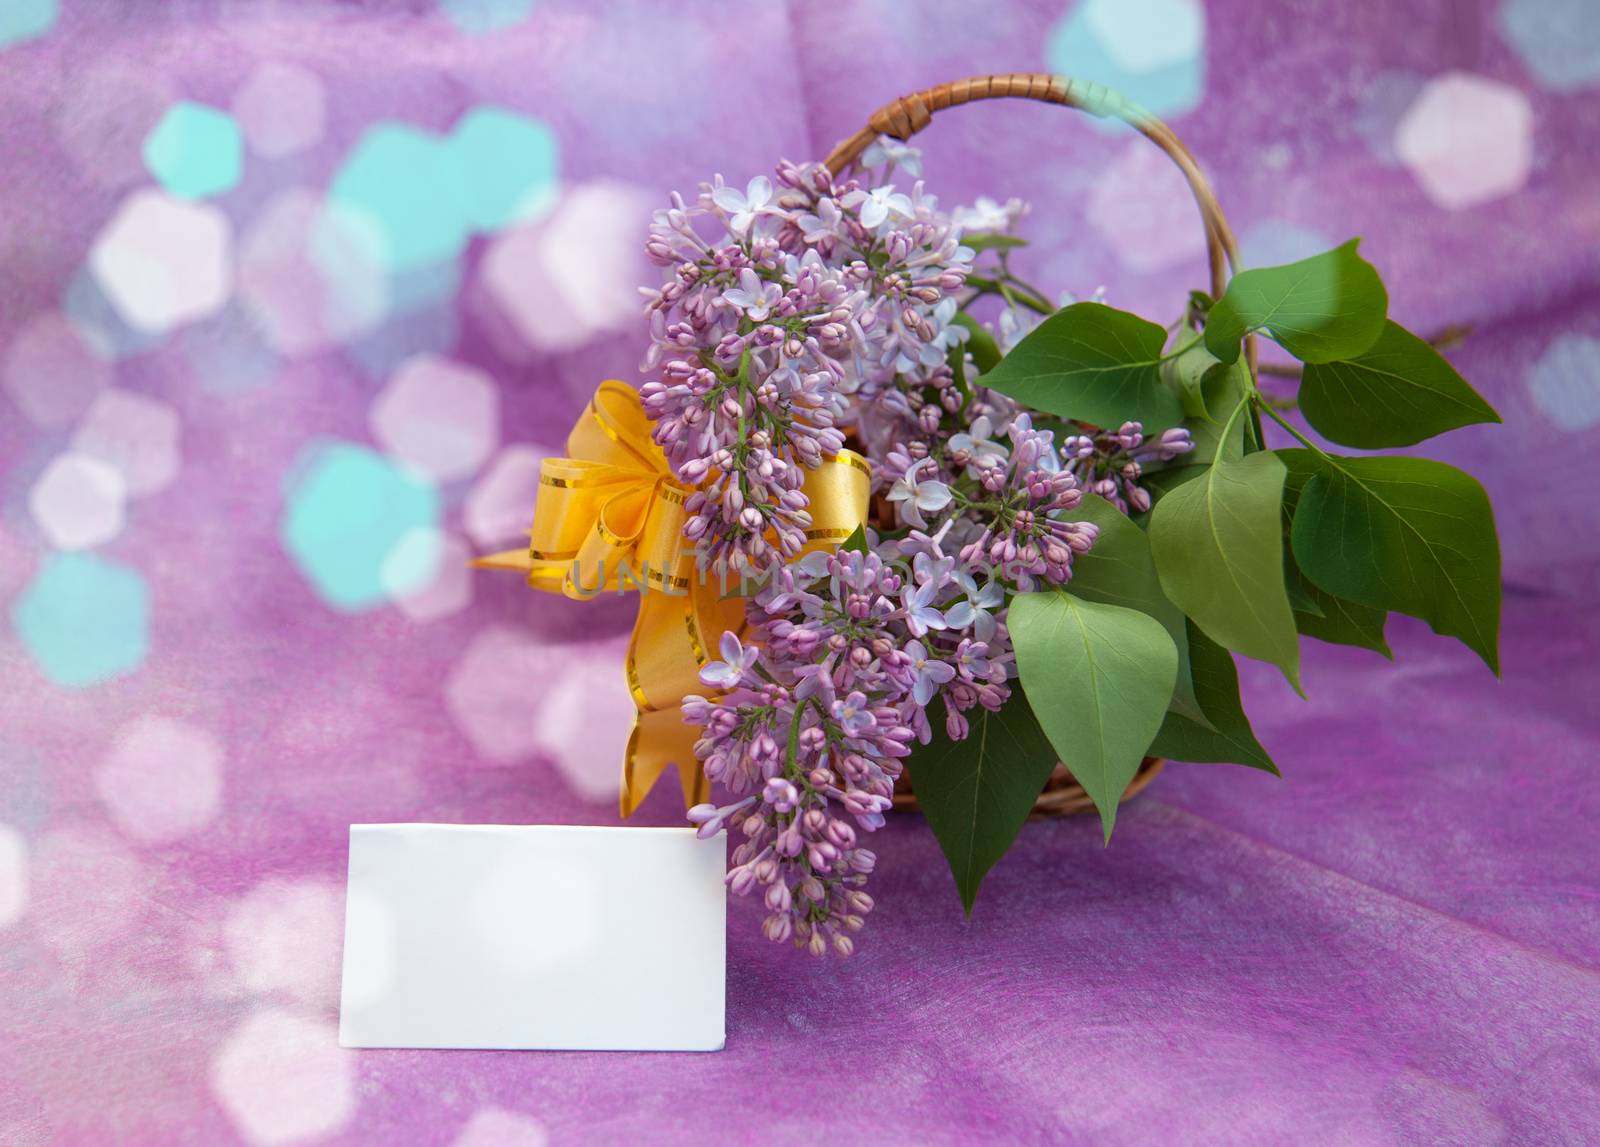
<point>817,308</point>
<point>785,308</point>
<point>1110,463</point>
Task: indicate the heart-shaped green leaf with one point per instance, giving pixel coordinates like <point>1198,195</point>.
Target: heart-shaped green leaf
<point>1227,737</point>
<point>1330,306</point>
<point>1093,363</point>
<point>1397,392</point>
<point>1118,570</point>
<point>1098,678</point>
<point>1404,534</point>
<point>1218,548</point>
<point>977,792</point>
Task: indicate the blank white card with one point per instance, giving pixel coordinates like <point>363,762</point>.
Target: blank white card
<point>543,936</point>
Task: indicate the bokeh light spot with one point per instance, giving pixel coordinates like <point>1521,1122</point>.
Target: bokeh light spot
<point>77,501</point>
<point>195,151</point>
<point>162,779</point>
<point>1467,140</point>
<point>282,109</point>
<point>283,938</point>
<point>1565,382</point>
<point>408,184</point>
<point>284,1079</point>
<point>52,372</point>
<point>438,415</point>
<point>24,20</point>
<point>574,276</point>
<point>135,434</point>
<point>499,507</point>
<point>1142,208</point>
<point>587,704</point>
<point>509,165</point>
<point>347,509</point>
<point>84,619</point>
<point>1152,51</point>
<point>445,591</point>
<point>1273,242</point>
<point>1559,40</point>
<point>477,17</point>
<point>164,262</point>
<point>490,689</point>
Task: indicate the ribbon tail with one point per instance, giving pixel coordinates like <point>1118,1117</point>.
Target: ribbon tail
<point>660,738</point>
<point>519,560</point>
<point>671,640</point>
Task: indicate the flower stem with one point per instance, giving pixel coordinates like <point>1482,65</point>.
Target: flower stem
<point>1283,422</point>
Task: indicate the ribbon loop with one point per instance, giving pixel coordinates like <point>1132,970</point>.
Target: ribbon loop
<point>610,517</point>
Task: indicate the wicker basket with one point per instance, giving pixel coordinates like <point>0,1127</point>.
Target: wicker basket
<point>903,118</point>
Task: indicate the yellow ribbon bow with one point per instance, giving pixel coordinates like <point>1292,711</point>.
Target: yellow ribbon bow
<point>610,516</point>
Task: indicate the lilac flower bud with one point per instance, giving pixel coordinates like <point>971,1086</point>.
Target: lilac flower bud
<point>741,880</point>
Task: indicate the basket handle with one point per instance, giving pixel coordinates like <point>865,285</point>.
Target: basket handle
<point>903,118</point>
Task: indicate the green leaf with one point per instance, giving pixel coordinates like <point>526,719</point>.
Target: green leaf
<point>857,540</point>
<point>977,792</point>
<point>1094,363</point>
<point>1343,622</point>
<point>1098,678</point>
<point>1118,570</point>
<point>1302,594</point>
<point>1396,393</point>
<point>1218,547</point>
<point>1160,482</point>
<point>1330,306</point>
<point>1228,739</point>
<point>1222,389</point>
<point>1404,534</point>
<point>980,342</point>
<point>992,241</point>
<point>1185,372</point>
<point>1318,613</point>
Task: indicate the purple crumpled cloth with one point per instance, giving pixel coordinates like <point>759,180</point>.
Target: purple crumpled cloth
<point>1398,942</point>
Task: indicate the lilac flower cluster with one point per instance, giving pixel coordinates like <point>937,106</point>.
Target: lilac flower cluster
<point>815,717</point>
<point>1110,463</point>
<point>785,306</point>
<point>791,316</point>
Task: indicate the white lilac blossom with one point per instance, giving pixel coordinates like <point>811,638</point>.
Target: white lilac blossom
<point>795,314</point>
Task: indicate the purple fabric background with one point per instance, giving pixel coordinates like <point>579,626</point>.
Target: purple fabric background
<point>1397,943</point>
